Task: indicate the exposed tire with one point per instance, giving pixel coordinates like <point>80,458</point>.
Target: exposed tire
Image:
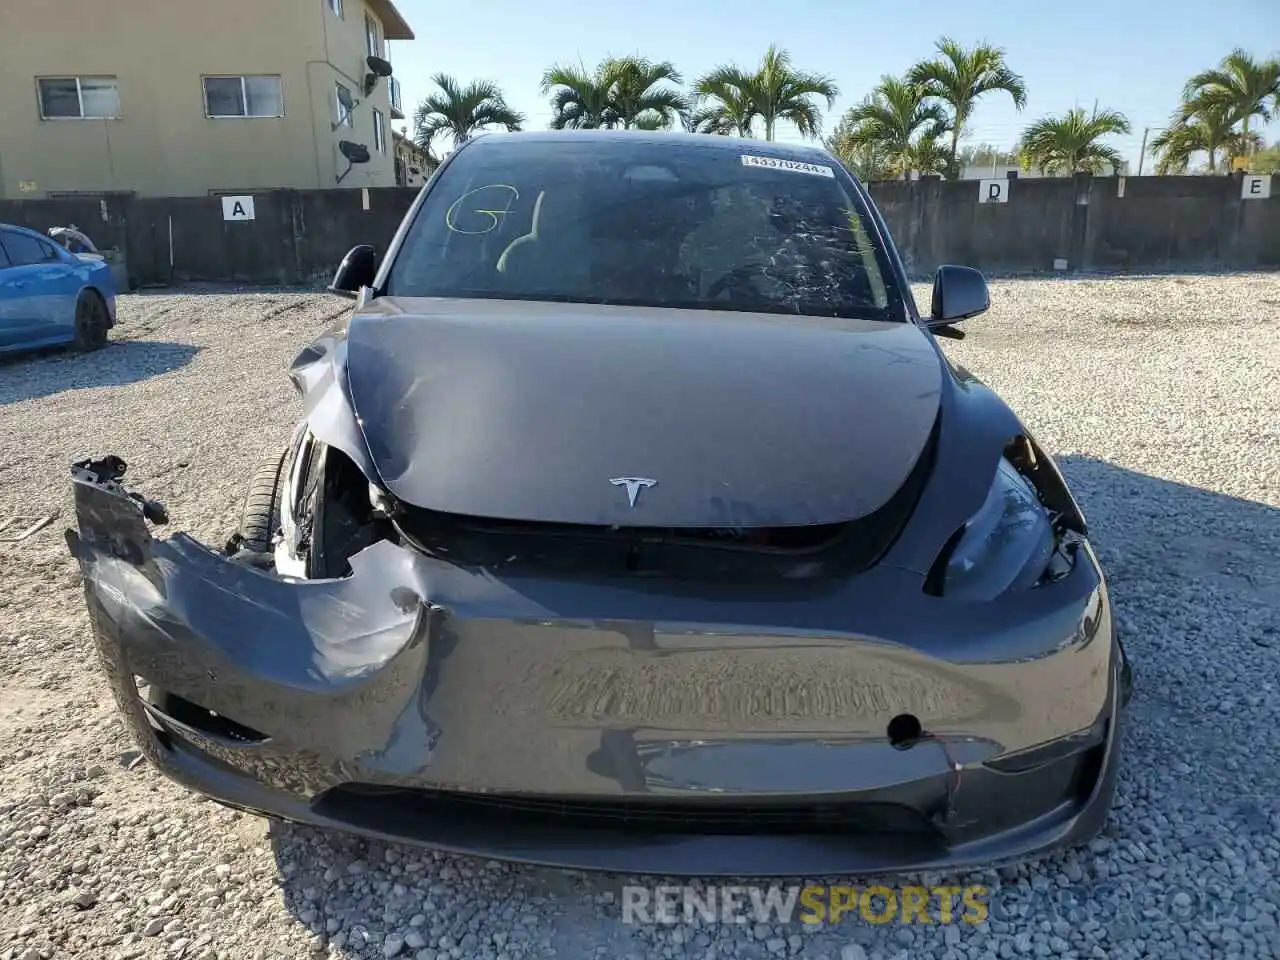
<point>260,518</point>
<point>92,322</point>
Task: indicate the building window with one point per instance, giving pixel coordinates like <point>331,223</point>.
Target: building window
<point>336,7</point>
<point>379,131</point>
<point>371,37</point>
<point>342,107</point>
<point>243,97</point>
<point>79,98</point>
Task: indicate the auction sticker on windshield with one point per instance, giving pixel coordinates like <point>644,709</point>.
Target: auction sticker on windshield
<point>796,166</point>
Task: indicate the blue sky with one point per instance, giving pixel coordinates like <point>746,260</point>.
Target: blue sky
<point>1130,56</point>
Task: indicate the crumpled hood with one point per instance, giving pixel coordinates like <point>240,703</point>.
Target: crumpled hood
<point>530,411</point>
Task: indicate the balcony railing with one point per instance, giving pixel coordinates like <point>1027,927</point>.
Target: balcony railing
<point>397,111</point>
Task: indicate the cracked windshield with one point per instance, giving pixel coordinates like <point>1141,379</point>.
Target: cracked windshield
<point>641,224</point>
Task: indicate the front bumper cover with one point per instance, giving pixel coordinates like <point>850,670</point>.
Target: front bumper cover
<point>610,726</point>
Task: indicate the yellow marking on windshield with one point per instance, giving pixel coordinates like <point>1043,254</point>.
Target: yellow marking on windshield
<point>531,236</point>
<point>868,254</point>
<point>495,214</point>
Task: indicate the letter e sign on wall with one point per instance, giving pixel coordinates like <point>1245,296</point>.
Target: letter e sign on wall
<point>1255,187</point>
<point>993,191</point>
<point>237,208</point>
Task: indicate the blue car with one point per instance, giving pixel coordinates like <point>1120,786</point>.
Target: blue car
<point>50,297</point>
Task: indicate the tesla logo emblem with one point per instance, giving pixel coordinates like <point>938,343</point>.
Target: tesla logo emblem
<point>634,485</point>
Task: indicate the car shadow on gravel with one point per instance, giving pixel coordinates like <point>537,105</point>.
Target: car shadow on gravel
<point>1161,530</point>
<point>1196,591</point>
<point>195,288</point>
<point>31,376</point>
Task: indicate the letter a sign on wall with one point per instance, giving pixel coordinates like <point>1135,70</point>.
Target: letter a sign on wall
<point>237,208</point>
<point>993,191</point>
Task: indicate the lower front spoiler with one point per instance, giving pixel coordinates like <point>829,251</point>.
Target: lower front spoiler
<point>460,825</point>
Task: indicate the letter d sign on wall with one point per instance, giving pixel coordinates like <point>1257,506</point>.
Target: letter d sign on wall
<point>993,191</point>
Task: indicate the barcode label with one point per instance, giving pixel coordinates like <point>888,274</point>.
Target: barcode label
<point>796,166</point>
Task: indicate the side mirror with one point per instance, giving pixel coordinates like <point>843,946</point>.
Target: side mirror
<point>357,270</point>
<point>958,293</point>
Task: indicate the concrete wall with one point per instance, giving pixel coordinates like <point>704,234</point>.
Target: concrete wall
<point>1104,223</point>
<point>162,143</point>
<point>296,236</point>
<point>1160,223</point>
<point>935,222</point>
<point>1181,223</point>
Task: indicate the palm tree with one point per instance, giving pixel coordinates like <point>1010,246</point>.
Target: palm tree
<point>462,111</point>
<point>652,121</point>
<point>727,110</point>
<point>1207,130</point>
<point>639,94</point>
<point>898,119</point>
<point>1174,146</point>
<point>579,98</point>
<point>1070,144</point>
<point>928,153</point>
<point>622,92</point>
<point>958,77</point>
<point>866,159</point>
<point>1240,86</point>
<point>423,139</point>
<point>774,91</point>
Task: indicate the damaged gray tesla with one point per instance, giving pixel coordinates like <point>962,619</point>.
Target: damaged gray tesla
<point>636,521</point>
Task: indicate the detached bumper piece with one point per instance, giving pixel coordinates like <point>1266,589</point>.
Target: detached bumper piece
<point>416,701</point>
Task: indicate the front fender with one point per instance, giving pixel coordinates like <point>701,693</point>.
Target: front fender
<point>320,374</point>
<point>975,427</point>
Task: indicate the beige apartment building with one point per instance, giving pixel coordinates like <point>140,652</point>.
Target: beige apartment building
<point>413,164</point>
<point>189,98</point>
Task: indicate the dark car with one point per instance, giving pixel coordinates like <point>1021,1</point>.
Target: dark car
<point>637,521</point>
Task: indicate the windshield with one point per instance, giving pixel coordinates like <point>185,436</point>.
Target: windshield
<point>645,223</point>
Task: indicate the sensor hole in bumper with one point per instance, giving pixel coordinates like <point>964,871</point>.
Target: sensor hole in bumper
<point>165,710</point>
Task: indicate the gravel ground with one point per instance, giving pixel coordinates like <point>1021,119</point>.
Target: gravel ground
<point>1160,396</point>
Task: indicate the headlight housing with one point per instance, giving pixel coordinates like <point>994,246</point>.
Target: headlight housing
<point>1008,544</point>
